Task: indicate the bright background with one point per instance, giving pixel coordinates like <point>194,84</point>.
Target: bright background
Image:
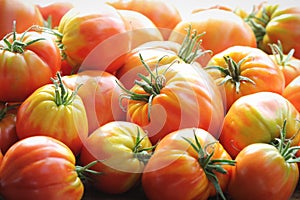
<point>186,6</point>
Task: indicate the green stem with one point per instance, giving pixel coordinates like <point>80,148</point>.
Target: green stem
<point>209,165</point>
<point>63,96</point>
<point>83,172</point>
<point>280,57</point>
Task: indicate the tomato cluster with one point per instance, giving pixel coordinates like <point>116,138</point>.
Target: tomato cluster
<point>117,97</point>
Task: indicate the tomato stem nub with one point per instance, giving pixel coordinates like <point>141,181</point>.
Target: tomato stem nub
<point>209,165</point>
<point>278,54</point>
<point>190,47</point>
<point>62,95</point>
<point>83,171</point>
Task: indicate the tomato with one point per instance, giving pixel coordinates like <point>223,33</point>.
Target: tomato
<point>100,95</point>
<point>27,61</point>
<point>277,23</point>
<point>39,167</point>
<point>257,118</point>
<point>162,13</point>
<point>187,164</point>
<point>25,13</point>
<point>222,29</point>
<point>8,135</point>
<point>242,70</point>
<point>122,149</point>
<point>56,111</point>
<point>159,52</point>
<point>87,32</point>
<point>265,171</point>
<point>141,28</point>
<point>288,64</point>
<point>292,92</point>
<point>172,97</point>
<point>54,11</point>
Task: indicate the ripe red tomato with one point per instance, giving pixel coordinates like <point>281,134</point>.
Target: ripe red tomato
<point>292,92</point>
<point>162,13</point>
<point>55,11</point>
<point>8,134</point>
<point>263,172</point>
<point>100,95</point>
<point>175,96</point>
<point>185,161</point>
<point>122,149</point>
<point>87,33</point>
<point>24,13</point>
<point>39,167</point>
<point>27,61</point>
<point>243,70</point>
<point>258,117</point>
<point>222,29</point>
<point>56,111</point>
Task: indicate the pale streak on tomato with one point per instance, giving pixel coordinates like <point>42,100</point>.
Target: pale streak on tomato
<point>256,118</point>
<point>39,115</point>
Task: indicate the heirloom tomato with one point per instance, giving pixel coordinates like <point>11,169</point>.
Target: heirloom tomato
<point>174,96</point>
<point>122,149</point>
<point>54,11</point>
<point>87,33</point>
<point>271,23</point>
<point>258,117</point>
<point>242,70</point>
<point>159,52</point>
<point>24,12</point>
<point>287,63</point>
<point>162,13</point>
<point>100,95</point>
<point>292,92</point>
<point>187,164</point>
<point>265,171</point>
<point>8,135</point>
<point>39,167</point>
<point>56,111</point>
<point>27,61</point>
<point>140,27</point>
<point>222,29</point>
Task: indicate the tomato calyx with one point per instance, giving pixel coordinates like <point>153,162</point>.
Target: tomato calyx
<point>209,165</point>
<point>232,72</point>
<point>284,146</point>
<point>190,47</point>
<point>83,172</point>
<point>17,45</point>
<point>280,58</point>
<point>7,107</point>
<point>142,154</point>
<point>151,85</point>
<point>62,95</point>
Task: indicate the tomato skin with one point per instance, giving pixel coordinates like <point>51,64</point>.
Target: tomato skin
<point>257,118</point>
<point>213,22</point>
<point>55,10</point>
<point>40,60</point>
<point>258,67</point>
<point>8,134</point>
<point>100,95</point>
<point>292,92</point>
<point>112,144</point>
<point>40,115</point>
<point>262,173</point>
<point>290,70</point>
<point>283,25</point>
<point>163,14</point>
<point>24,13</point>
<point>189,98</point>
<point>174,167</point>
<point>46,162</point>
<point>88,32</point>
<point>151,54</point>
